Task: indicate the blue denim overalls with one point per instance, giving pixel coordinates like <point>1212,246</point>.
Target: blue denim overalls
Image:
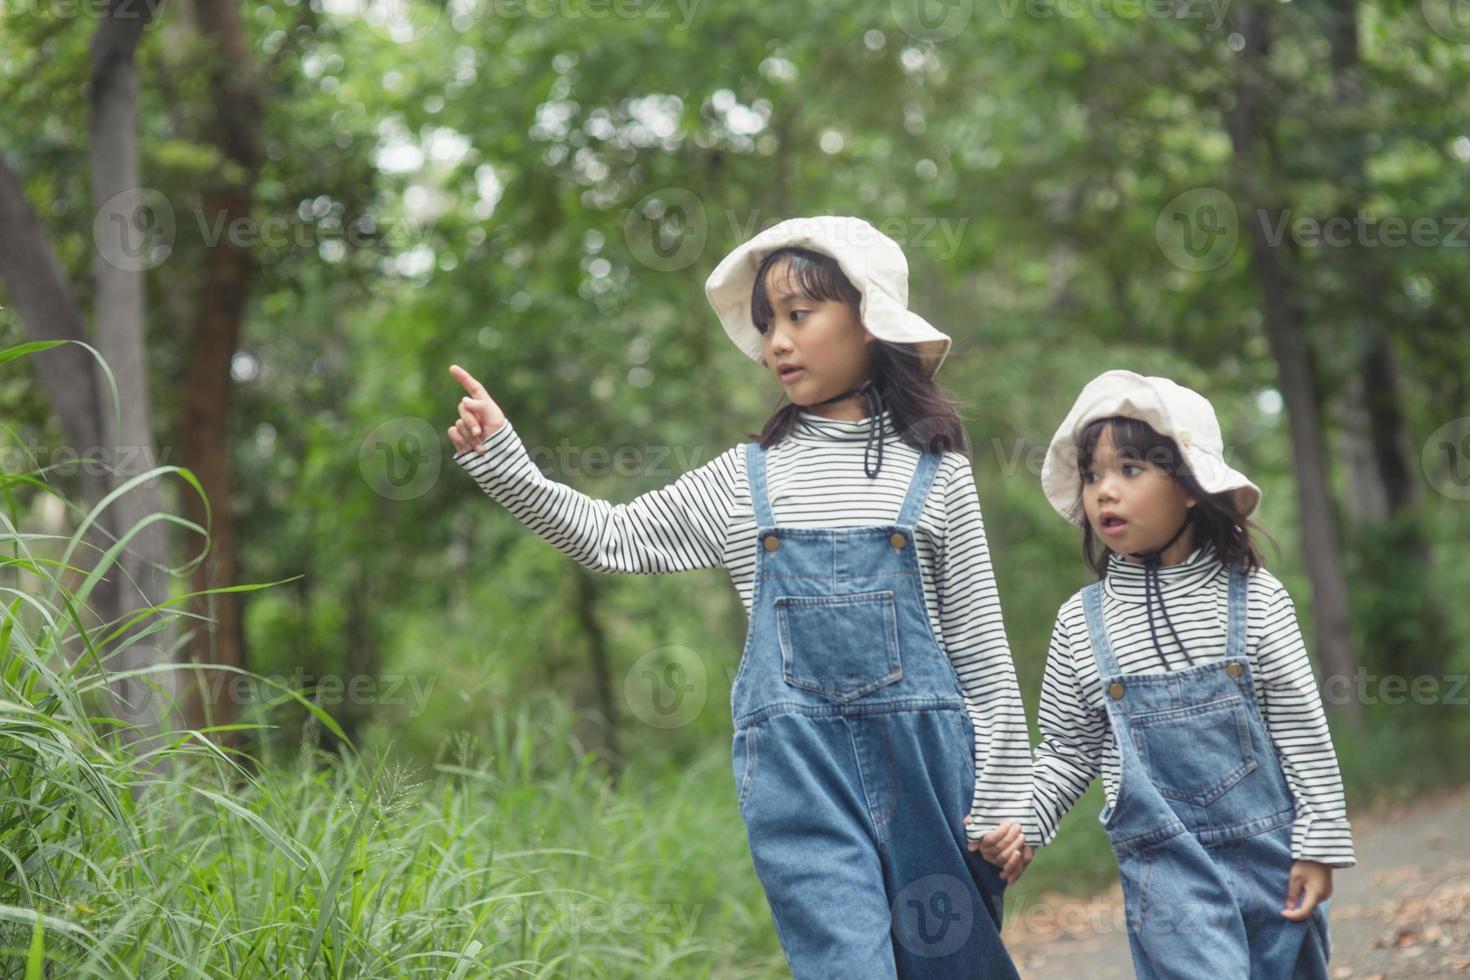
<point>854,756</point>
<point>1201,826</point>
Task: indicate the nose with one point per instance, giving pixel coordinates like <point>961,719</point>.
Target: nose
<point>777,341</point>
<point>1106,489</point>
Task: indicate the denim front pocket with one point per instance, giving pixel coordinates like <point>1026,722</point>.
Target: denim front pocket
<point>842,646</point>
<point>1195,754</point>
<point>743,758</point>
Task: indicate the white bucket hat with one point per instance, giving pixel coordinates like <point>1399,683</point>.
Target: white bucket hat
<point>871,260</point>
<point>1172,410</point>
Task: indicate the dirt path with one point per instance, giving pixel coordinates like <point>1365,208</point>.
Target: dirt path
<point>1404,911</point>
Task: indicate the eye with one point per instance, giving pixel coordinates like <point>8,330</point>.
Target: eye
<point>1132,466</point>
<point>1089,476</point>
<point>795,312</point>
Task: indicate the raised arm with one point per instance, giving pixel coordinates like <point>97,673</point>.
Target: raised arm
<point>675,528</point>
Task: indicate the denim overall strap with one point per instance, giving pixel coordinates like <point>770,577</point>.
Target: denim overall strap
<point>1235,617</point>
<point>755,473</point>
<point>1107,663</point>
<point>913,503</point>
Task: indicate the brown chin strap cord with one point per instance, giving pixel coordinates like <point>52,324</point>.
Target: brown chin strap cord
<point>874,403</point>
<point>1152,586</point>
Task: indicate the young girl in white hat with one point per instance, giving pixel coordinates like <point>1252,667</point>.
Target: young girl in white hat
<point>877,718</point>
<point>1182,680</point>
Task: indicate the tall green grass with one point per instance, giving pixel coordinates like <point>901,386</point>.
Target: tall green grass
<point>507,856</point>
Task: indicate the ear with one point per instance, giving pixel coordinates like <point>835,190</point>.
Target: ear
<point>1189,501</point>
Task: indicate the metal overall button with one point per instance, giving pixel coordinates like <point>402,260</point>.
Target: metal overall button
<point>898,539</point>
<point>772,542</point>
<point>1115,690</point>
<point>1234,669</point>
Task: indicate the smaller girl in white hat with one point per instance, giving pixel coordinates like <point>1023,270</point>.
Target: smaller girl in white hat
<point>1181,679</point>
<point>878,726</point>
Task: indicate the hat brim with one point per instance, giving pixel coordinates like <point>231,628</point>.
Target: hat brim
<point>1061,481</point>
<point>730,285</point>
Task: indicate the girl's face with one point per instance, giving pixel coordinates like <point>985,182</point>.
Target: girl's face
<point>816,348</point>
<point>1132,504</point>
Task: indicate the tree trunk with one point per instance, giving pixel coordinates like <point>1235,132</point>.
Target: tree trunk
<point>211,336</point>
<point>117,273</point>
<point>1407,632</point>
<point>1320,542</point>
<point>77,387</point>
<point>607,697</point>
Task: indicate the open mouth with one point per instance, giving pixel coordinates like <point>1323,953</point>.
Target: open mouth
<point>788,374</point>
<point>1113,525</point>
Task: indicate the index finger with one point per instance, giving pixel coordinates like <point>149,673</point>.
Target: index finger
<point>472,386</point>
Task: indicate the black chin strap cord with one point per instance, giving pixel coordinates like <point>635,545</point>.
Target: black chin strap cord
<point>874,403</point>
<point>1152,586</point>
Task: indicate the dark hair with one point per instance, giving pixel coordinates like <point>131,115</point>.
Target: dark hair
<point>1217,519</point>
<point>923,416</point>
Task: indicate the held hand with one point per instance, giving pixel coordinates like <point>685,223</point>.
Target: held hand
<point>1311,883</point>
<point>1006,848</point>
<point>478,414</point>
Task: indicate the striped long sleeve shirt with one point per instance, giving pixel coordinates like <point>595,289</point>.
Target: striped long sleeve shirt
<point>815,477</point>
<point>1077,744</point>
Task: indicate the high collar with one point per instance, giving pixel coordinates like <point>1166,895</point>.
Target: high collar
<point>1125,580</point>
<point>811,427</point>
